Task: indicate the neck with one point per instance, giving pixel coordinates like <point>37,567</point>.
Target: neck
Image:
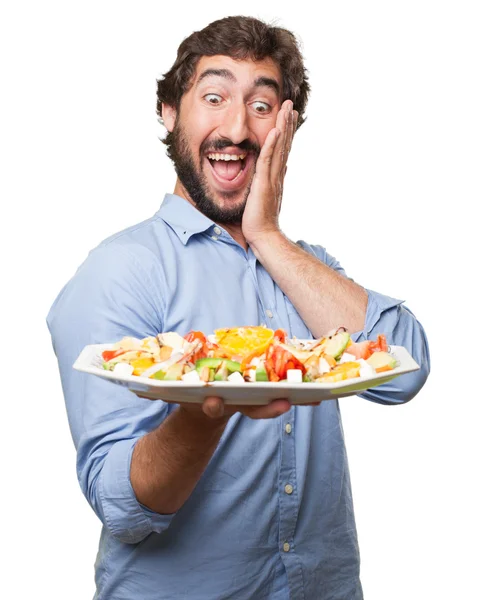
<point>235,231</point>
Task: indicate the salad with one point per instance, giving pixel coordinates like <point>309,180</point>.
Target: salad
<point>249,354</point>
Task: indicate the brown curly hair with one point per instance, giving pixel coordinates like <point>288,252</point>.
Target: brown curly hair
<point>240,38</point>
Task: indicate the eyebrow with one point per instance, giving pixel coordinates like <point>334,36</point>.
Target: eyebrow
<point>227,74</point>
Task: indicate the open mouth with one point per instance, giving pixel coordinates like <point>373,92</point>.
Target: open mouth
<point>230,173</point>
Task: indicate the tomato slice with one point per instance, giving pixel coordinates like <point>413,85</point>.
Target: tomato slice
<point>280,358</point>
<point>269,364</point>
<point>109,354</point>
<point>295,364</point>
<point>284,360</point>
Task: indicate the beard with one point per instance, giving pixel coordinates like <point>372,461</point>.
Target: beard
<point>194,181</point>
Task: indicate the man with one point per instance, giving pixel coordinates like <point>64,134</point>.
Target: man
<point>213,501</point>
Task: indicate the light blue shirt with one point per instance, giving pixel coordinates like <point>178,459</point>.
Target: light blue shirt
<point>242,533</point>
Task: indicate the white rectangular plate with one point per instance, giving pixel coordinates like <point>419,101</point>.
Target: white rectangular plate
<point>90,361</point>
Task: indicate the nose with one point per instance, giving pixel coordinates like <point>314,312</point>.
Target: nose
<point>234,125</point>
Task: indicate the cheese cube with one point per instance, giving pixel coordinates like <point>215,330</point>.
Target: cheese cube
<point>123,369</point>
<point>294,375</point>
<point>191,377</point>
<point>236,377</point>
<point>324,366</point>
<point>347,358</point>
<point>365,370</point>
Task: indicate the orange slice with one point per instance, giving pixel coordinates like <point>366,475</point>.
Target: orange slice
<point>347,366</point>
<point>347,370</point>
<point>331,377</point>
<point>141,364</point>
<point>243,341</point>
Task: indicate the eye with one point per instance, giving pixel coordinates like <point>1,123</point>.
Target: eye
<point>263,106</point>
<point>214,96</point>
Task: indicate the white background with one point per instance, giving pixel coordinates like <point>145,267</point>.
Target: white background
<point>383,174</point>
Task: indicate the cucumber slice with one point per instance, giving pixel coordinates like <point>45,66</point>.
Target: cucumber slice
<point>261,374</point>
<point>159,375</point>
<point>214,363</point>
<point>337,344</point>
<point>221,373</point>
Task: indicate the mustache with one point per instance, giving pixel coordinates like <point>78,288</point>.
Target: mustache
<point>245,146</point>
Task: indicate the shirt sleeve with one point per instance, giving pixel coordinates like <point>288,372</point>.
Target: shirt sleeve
<point>115,293</point>
<point>388,316</point>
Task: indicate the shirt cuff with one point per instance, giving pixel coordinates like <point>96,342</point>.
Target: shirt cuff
<point>127,519</point>
<point>377,305</point>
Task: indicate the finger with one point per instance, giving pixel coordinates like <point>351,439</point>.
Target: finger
<point>294,126</point>
<point>263,164</point>
<point>281,117</point>
<point>213,407</point>
<point>288,141</point>
<point>279,158</point>
<point>296,119</point>
<point>272,410</point>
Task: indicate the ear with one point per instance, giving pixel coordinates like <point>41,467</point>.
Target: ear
<point>168,114</point>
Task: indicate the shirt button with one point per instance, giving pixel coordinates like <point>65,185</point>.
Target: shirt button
<point>288,428</point>
<point>217,230</point>
<point>288,488</point>
<point>269,314</point>
<point>286,547</point>
<point>214,238</point>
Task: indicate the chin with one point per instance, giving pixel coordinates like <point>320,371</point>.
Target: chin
<point>220,210</point>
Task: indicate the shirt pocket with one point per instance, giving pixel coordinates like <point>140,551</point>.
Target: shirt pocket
<point>297,326</point>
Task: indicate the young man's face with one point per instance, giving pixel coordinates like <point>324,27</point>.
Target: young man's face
<point>229,110</point>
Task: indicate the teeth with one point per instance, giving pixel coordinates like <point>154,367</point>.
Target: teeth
<point>226,156</point>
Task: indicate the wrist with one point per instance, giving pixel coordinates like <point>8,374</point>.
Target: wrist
<point>261,243</point>
<point>192,415</point>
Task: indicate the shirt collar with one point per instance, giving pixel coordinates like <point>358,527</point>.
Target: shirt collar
<point>183,217</point>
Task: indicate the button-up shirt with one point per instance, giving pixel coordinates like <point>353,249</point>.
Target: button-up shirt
<point>272,515</point>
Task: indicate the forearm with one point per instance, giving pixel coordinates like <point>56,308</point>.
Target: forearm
<point>324,298</point>
<point>168,462</point>
<point>392,318</point>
